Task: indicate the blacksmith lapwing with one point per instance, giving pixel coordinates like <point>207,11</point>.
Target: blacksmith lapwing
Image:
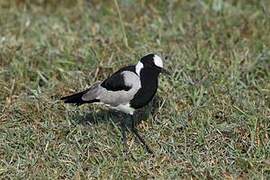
<point>128,89</point>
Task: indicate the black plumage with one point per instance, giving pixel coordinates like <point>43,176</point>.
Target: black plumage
<point>130,88</point>
<point>116,81</point>
<point>77,98</point>
<point>149,81</point>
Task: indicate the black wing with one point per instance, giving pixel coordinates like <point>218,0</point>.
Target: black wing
<point>116,81</point>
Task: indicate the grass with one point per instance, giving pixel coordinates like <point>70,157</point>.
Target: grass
<point>211,119</point>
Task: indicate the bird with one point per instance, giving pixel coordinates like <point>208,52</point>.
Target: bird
<point>127,90</point>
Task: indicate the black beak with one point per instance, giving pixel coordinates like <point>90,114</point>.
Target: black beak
<point>164,71</point>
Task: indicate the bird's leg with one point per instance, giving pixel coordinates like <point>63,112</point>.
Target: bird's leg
<point>135,131</point>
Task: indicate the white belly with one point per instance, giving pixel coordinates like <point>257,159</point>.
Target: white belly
<point>124,108</point>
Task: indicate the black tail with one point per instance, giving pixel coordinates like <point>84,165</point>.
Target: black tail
<point>77,99</point>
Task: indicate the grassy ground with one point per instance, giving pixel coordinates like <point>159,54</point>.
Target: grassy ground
<point>212,117</point>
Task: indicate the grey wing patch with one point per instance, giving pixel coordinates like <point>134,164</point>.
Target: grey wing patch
<point>115,98</point>
<point>131,79</point>
<point>93,93</point>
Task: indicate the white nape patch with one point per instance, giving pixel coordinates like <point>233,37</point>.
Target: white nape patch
<point>158,61</point>
<point>125,108</point>
<point>139,67</point>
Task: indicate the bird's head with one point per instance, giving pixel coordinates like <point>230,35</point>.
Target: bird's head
<point>151,61</point>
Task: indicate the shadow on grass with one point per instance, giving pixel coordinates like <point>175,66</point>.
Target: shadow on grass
<point>111,116</point>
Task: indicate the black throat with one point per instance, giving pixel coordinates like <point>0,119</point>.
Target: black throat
<point>149,83</point>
